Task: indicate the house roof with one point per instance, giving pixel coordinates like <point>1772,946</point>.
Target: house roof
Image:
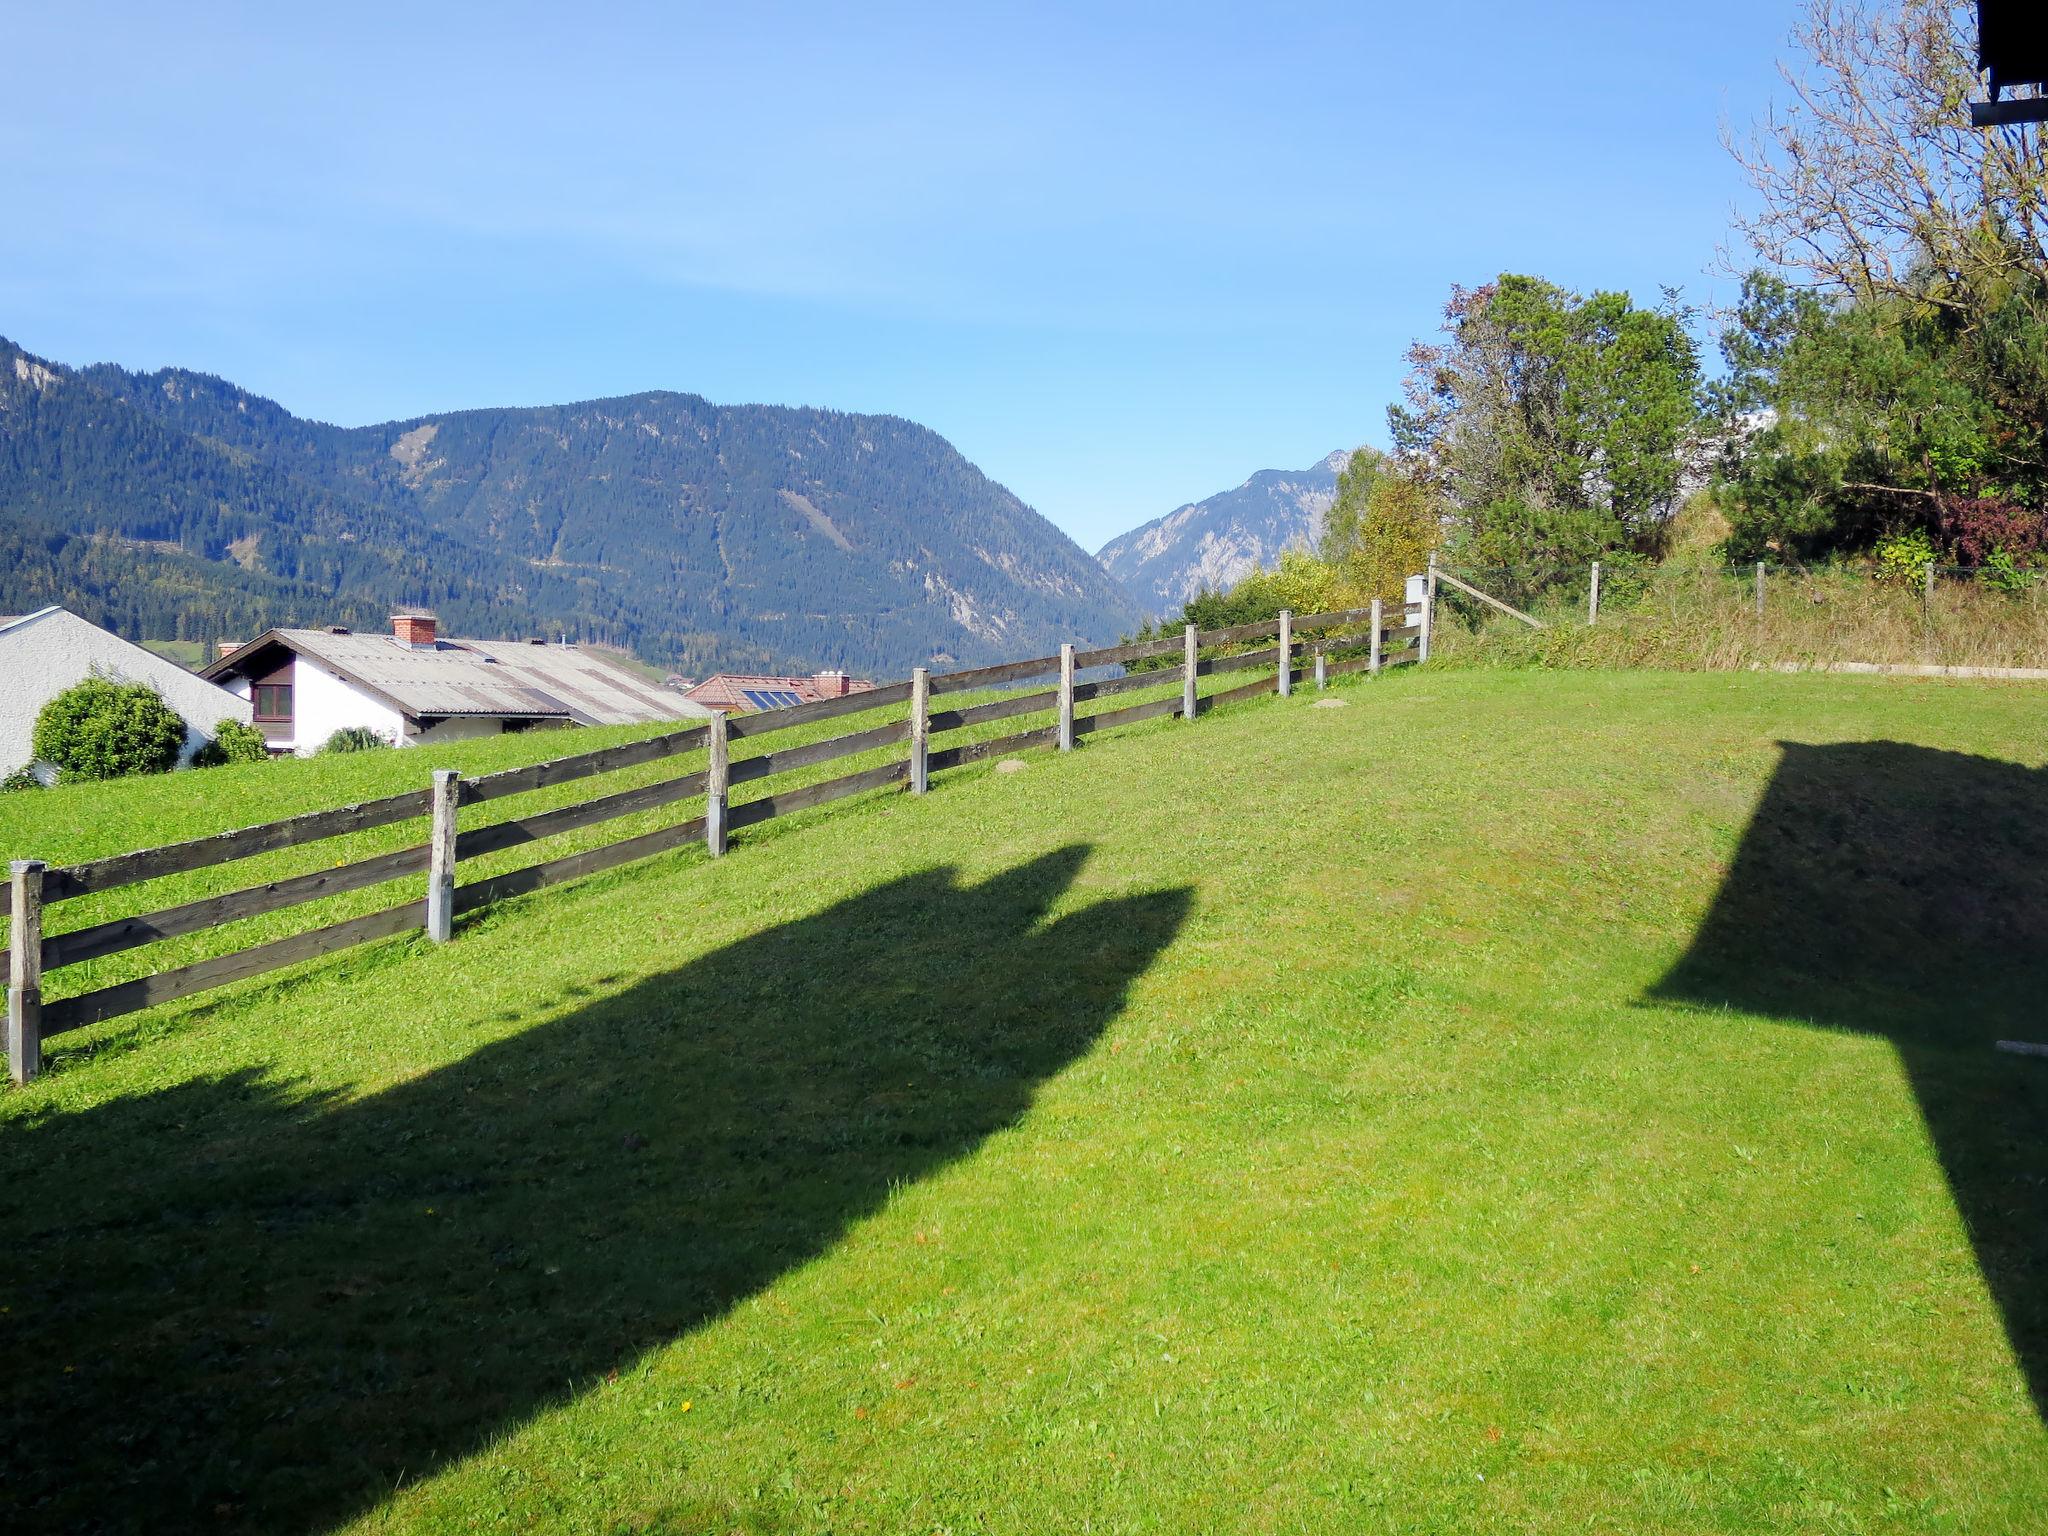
<point>489,678</point>
<point>9,620</point>
<point>751,691</point>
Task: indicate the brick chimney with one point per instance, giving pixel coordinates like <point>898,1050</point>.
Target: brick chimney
<point>414,628</point>
<point>832,685</point>
<point>227,648</point>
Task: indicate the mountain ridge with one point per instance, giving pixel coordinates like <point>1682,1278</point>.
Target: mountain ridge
<point>1215,542</point>
<point>698,534</point>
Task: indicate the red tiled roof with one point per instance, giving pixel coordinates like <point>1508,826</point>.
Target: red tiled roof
<point>748,691</point>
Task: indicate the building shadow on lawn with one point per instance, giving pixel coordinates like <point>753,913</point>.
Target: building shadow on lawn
<point>1903,891</point>
<point>233,1308</point>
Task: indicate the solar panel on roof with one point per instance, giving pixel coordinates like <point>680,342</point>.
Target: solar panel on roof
<point>770,698</point>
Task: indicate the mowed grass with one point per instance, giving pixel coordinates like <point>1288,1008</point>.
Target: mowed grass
<point>1512,1102</point>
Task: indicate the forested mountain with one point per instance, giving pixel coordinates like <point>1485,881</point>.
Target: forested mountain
<point>173,505</point>
<point>1213,544</point>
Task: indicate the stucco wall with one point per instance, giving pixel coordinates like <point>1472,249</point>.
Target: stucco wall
<point>46,654</point>
<point>322,703</point>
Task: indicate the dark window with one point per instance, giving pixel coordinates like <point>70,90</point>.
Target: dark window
<point>273,701</point>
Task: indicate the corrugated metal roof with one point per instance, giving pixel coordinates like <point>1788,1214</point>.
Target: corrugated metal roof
<point>495,677</point>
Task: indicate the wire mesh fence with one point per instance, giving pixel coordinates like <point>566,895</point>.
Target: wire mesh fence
<point>1630,612</point>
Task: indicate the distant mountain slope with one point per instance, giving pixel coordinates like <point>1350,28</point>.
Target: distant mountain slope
<point>1213,543</point>
<point>176,505</point>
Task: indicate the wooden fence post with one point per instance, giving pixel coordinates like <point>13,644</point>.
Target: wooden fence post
<point>1759,591</point>
<point>1188,702</point>
<point>1286,653</point>
<point>1322,675</point>
<point>1593,597</point>
<point>441,857</point>
<point>717,781</point>
<point>1067,698</point>
<point>1428,607</point>
<point>1378,636</point>
<point>920,729</point>
<point>25,971</point>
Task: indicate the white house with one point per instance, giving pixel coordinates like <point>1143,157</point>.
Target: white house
<point>411,687</point>
<point>43,653</point>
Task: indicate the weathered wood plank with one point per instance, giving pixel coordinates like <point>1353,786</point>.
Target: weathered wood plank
<point>478,841</point>
<point>717,786</point>
<point>534,877</point>
<point>226,847</point>
<point>1190,666</point>
<point>995,709</point>
<point>123,933</point>
<point>441,857</point>
<point>167,986</point>
<point>25,1024</point>
<point>754,812</point>
<point>989,677</point>
<point>1230,695</point>
<point>768,721</point>
<point>1486,597</point>
<point>920,730</point>
<point>1130,682</point>
<point>1137,650</point>
<point>1130,714</point>
<point>566,770</point>
<point>1268,629</point>
<point>1065,722</point>
<point>1336,618</point>
<point>767,764</point>
<point>1270,657</point>
<point>995,746</point>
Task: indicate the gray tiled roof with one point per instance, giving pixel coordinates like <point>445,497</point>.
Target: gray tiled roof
<point>494,677</point>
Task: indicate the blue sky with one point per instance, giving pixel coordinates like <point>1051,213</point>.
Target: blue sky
<point>1122,256</point>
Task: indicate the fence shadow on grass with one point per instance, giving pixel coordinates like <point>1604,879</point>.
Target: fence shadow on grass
<point>233,1308</point>
<point>1903,891</point>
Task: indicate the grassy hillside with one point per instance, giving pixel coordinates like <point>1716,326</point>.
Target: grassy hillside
<point>1513,1102</point>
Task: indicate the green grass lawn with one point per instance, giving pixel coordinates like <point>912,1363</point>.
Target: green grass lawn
<point>1513,1102</point>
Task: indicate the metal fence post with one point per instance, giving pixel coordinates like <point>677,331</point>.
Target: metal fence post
<point>1067,698</point>
<point>717,781</point>
<point>1322,673</point>
<point>25,970</point>
<point>1378,637</point>
<point>1593,597</point>
<point>1286,653</point>
<point>1188,701</point>
<point>920,729</point>
<point>441,857</point>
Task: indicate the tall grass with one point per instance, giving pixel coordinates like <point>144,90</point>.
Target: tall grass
<point>1704,618</point>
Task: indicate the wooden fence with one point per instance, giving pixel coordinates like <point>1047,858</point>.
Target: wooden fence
<point>1351,640</point>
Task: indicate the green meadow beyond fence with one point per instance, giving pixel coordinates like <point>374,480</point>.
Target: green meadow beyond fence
<point>1351,640</point>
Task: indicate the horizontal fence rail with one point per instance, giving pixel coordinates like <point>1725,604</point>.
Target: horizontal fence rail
<point>1336,643</point>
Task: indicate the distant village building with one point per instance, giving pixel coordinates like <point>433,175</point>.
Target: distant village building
<point>412,688</point>
<point>46,652</point>
<point>743,692</point>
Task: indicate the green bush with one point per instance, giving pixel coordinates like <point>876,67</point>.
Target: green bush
<point>102,729</point>
<point>352,738</point>
<point>233,742</point>
<point>21,778</point>
<point>1904,559</point>
<point>2005,573</point>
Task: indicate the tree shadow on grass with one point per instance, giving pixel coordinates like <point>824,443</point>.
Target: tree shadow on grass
<point>1903,891</point>
<point>230,1308</point>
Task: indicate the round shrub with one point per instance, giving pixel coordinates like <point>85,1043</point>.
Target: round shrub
<point>352,738</point>
<point>233,742</point>
<point>101,729</point>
